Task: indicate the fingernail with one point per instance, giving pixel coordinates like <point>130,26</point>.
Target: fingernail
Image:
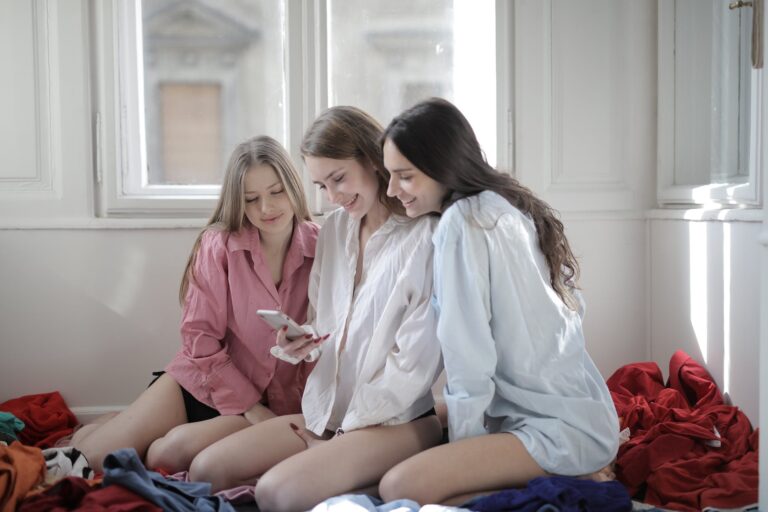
<point>294,426</point>
<point>325,337</point>
<point>284,328</point>
<point>307,335</point>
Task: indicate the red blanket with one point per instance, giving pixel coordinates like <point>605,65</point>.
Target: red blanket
<point>687,449</point>
<point>46,418</point>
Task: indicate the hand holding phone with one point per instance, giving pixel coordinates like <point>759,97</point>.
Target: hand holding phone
<point>278,320</point>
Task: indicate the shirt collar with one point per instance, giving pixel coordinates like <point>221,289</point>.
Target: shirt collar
<point>248,239</point>
<point>353,232</point>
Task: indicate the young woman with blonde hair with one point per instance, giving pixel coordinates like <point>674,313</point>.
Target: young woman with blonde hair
<point>256,252</point>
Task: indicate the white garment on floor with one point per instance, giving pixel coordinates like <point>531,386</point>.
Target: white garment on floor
<point>65,461</point>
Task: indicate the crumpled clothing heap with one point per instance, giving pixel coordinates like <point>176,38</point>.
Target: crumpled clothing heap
<point>687,450</point>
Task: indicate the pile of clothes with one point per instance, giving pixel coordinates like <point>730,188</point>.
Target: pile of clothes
<point>687,449</point>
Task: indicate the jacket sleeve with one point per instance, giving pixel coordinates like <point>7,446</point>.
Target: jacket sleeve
<point>203,329</point>
<point>413,362</point>
<point>462,285</point>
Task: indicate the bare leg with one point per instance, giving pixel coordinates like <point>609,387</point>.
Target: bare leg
<point>157,410</point>
<point>240,458</point>
<point>604,475</point>
<point>174,451</point>
<point>85,430</point>
<point>454,472</point>
<point>352,461</point>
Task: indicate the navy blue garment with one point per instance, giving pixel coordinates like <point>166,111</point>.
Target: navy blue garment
<point>123,467</point>
<point>558,493</point>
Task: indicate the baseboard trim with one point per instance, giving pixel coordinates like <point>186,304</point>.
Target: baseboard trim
<point>88,414</point>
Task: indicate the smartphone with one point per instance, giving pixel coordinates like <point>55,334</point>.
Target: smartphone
<point>278,320</point>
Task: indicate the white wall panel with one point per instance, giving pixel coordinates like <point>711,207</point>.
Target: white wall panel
<point>45,136</point>
<point>88,312</point>
<point>584,87</point>
<point>705,300</point>
<point>25,131</point>
<point>613,262</point>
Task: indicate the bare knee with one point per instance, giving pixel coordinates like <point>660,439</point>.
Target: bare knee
<point>81,433</point>
<point>171,452</point>
<point>400,482</point>
<point>274,493</point>
<point>207,466</point>
<point>93,454</point>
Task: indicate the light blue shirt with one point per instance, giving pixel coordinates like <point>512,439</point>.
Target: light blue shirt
<point>514,353</point>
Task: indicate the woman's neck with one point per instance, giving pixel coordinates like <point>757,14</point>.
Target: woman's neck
<point>375,218</point>
<point>276,243</point>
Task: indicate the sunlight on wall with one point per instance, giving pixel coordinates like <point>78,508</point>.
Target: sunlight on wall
<point>474,46</point>
<point>124,293</point>
<point>697,251</point>
<point>726,307</point>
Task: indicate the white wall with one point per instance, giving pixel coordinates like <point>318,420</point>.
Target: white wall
<point>585,141</point>
<point>613,282</point>
<point>88,312</point>
<point>705,300</point>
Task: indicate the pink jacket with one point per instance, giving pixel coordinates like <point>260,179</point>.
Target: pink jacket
<point>224,360</point>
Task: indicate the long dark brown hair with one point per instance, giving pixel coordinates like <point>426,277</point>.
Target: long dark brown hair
<point>439,141</point>
<point>346,133</point>
<point>229,214</point>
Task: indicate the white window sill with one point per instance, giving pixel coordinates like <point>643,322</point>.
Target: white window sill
<point>708,214</point>
<point>101,223</point>
<point>111,223</point>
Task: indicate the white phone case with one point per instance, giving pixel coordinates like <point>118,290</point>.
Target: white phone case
<point>278,319</point>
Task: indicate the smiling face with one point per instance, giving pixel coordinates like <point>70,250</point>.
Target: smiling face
<point>347,183</point>
<point>419,193</point>
<point>266,203</point>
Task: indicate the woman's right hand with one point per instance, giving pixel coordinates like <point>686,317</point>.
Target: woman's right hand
<point>298,347</point>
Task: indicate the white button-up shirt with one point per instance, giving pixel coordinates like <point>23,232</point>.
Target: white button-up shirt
<point>391,356</point>
<point>514,353</point>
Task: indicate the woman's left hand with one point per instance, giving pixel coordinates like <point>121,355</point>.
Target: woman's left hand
<point>298,348</point>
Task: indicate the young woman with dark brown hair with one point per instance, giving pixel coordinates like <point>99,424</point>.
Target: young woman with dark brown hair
<point>524,399</point>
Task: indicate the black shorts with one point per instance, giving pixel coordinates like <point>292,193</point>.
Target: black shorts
<point>196,410</point>
<point>431,412</point>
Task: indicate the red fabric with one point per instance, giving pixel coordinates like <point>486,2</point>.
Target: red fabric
<point>46,418</point>
<point>66,494</point>
<point>72,493</point>
<point>667,461</point>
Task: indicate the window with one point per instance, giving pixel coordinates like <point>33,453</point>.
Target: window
<point>181,83</point>
<point>709,97</point>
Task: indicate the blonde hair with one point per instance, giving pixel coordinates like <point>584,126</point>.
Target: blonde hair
<point>347,133</point>
<point>229,214</point>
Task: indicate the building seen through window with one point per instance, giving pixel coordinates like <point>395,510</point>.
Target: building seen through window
<point>214,72</point>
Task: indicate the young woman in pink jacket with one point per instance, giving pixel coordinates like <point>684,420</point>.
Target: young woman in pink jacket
<point>256,252</point>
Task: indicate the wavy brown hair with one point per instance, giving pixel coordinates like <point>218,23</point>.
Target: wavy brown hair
<point>348,133</point>
<point>229,214</point>
<point>438,140</point>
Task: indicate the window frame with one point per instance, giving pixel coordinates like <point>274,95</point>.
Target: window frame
<point>120,144</point>
<point>737,190</point>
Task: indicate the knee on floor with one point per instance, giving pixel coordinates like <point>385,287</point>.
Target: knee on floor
<point>170,452</point>
<point>399,483</point>
<point>274,494</point>
<point>208,467</point>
